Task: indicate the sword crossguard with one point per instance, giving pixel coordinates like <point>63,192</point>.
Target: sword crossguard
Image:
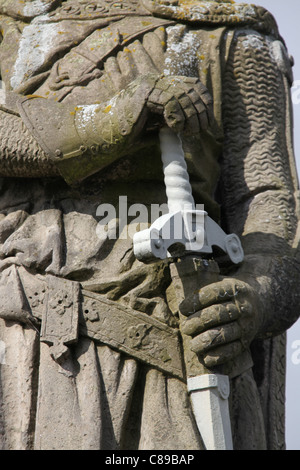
<point>184,225</point>
<point>195,230</point>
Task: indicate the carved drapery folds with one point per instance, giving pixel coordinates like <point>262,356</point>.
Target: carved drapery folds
<point>91,334</point>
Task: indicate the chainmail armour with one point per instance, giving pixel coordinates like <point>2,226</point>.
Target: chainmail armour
<point>256,134</point>
<point>256,185</point>
<point>20,154</point>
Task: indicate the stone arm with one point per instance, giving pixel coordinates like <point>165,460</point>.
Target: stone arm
<point>258,196</point>
<point>20,153</point>
<point>44,138</point>
<point>259,180</point>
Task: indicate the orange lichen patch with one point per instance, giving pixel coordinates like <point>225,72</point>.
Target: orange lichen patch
<point>33,96</point>
<point>163,43</point>
<point>107,109</point>
<point>212,36</point>
<point>77,108</point>
<point>201,57</point>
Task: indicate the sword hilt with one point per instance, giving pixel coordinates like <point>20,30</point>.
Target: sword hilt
<point>209,390</point>
<point>178,188</point>
<point>189,275</point>
<point>183,225</point>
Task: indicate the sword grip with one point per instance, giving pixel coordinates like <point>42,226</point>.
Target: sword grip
<point>178,188</point>
<point>189,275</point>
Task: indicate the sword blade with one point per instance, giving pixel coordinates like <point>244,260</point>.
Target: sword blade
<point>208,393</point>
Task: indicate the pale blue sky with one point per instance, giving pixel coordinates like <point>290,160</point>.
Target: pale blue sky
<point>287,15</point>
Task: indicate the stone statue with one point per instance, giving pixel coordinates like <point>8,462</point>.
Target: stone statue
<point>92,352</point>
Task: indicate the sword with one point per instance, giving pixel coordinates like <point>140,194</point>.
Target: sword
<point>197,233</point>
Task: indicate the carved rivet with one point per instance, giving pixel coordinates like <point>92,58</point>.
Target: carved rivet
<point>58,153</point>
<point>234,248</point>
<point>158,243</point>
<point>82,148</point>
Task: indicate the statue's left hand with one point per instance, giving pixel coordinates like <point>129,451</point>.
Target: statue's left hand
<point>184,103</point>
<point>222,320</point>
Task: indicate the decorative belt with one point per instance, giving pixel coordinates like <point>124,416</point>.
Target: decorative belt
<point>66,312</point>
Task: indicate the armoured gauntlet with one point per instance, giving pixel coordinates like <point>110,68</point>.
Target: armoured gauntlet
<point>83,139</point>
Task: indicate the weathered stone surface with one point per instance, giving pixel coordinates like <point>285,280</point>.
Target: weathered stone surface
<point>90,337</point>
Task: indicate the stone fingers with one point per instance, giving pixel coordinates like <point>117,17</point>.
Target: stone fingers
<point>179,100</point>
<point>223,354</point>
<point>113,71</point>
<point>164,103</point>
<point>220,318</point>
<point>174,115</point>
<point>201,99</point>
<point>189,93</point>
<point>206,98</point>
<point>210,318</point>
<point>192,123</point>
<point>200,109</point>
<point>219,292</point>
<point>157,100</point>
<point>216,337</point>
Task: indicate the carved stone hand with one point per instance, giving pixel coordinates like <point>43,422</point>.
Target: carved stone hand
<point>93,136</point>
<point>223,319</point>
<point>181,103</point>
<point>184,103</point>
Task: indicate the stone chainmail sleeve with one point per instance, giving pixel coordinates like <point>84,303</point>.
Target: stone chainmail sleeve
<point>20,154</point>
<point>259,183</point>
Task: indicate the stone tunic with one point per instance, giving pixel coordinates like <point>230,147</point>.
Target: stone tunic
<point>98,397</point>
